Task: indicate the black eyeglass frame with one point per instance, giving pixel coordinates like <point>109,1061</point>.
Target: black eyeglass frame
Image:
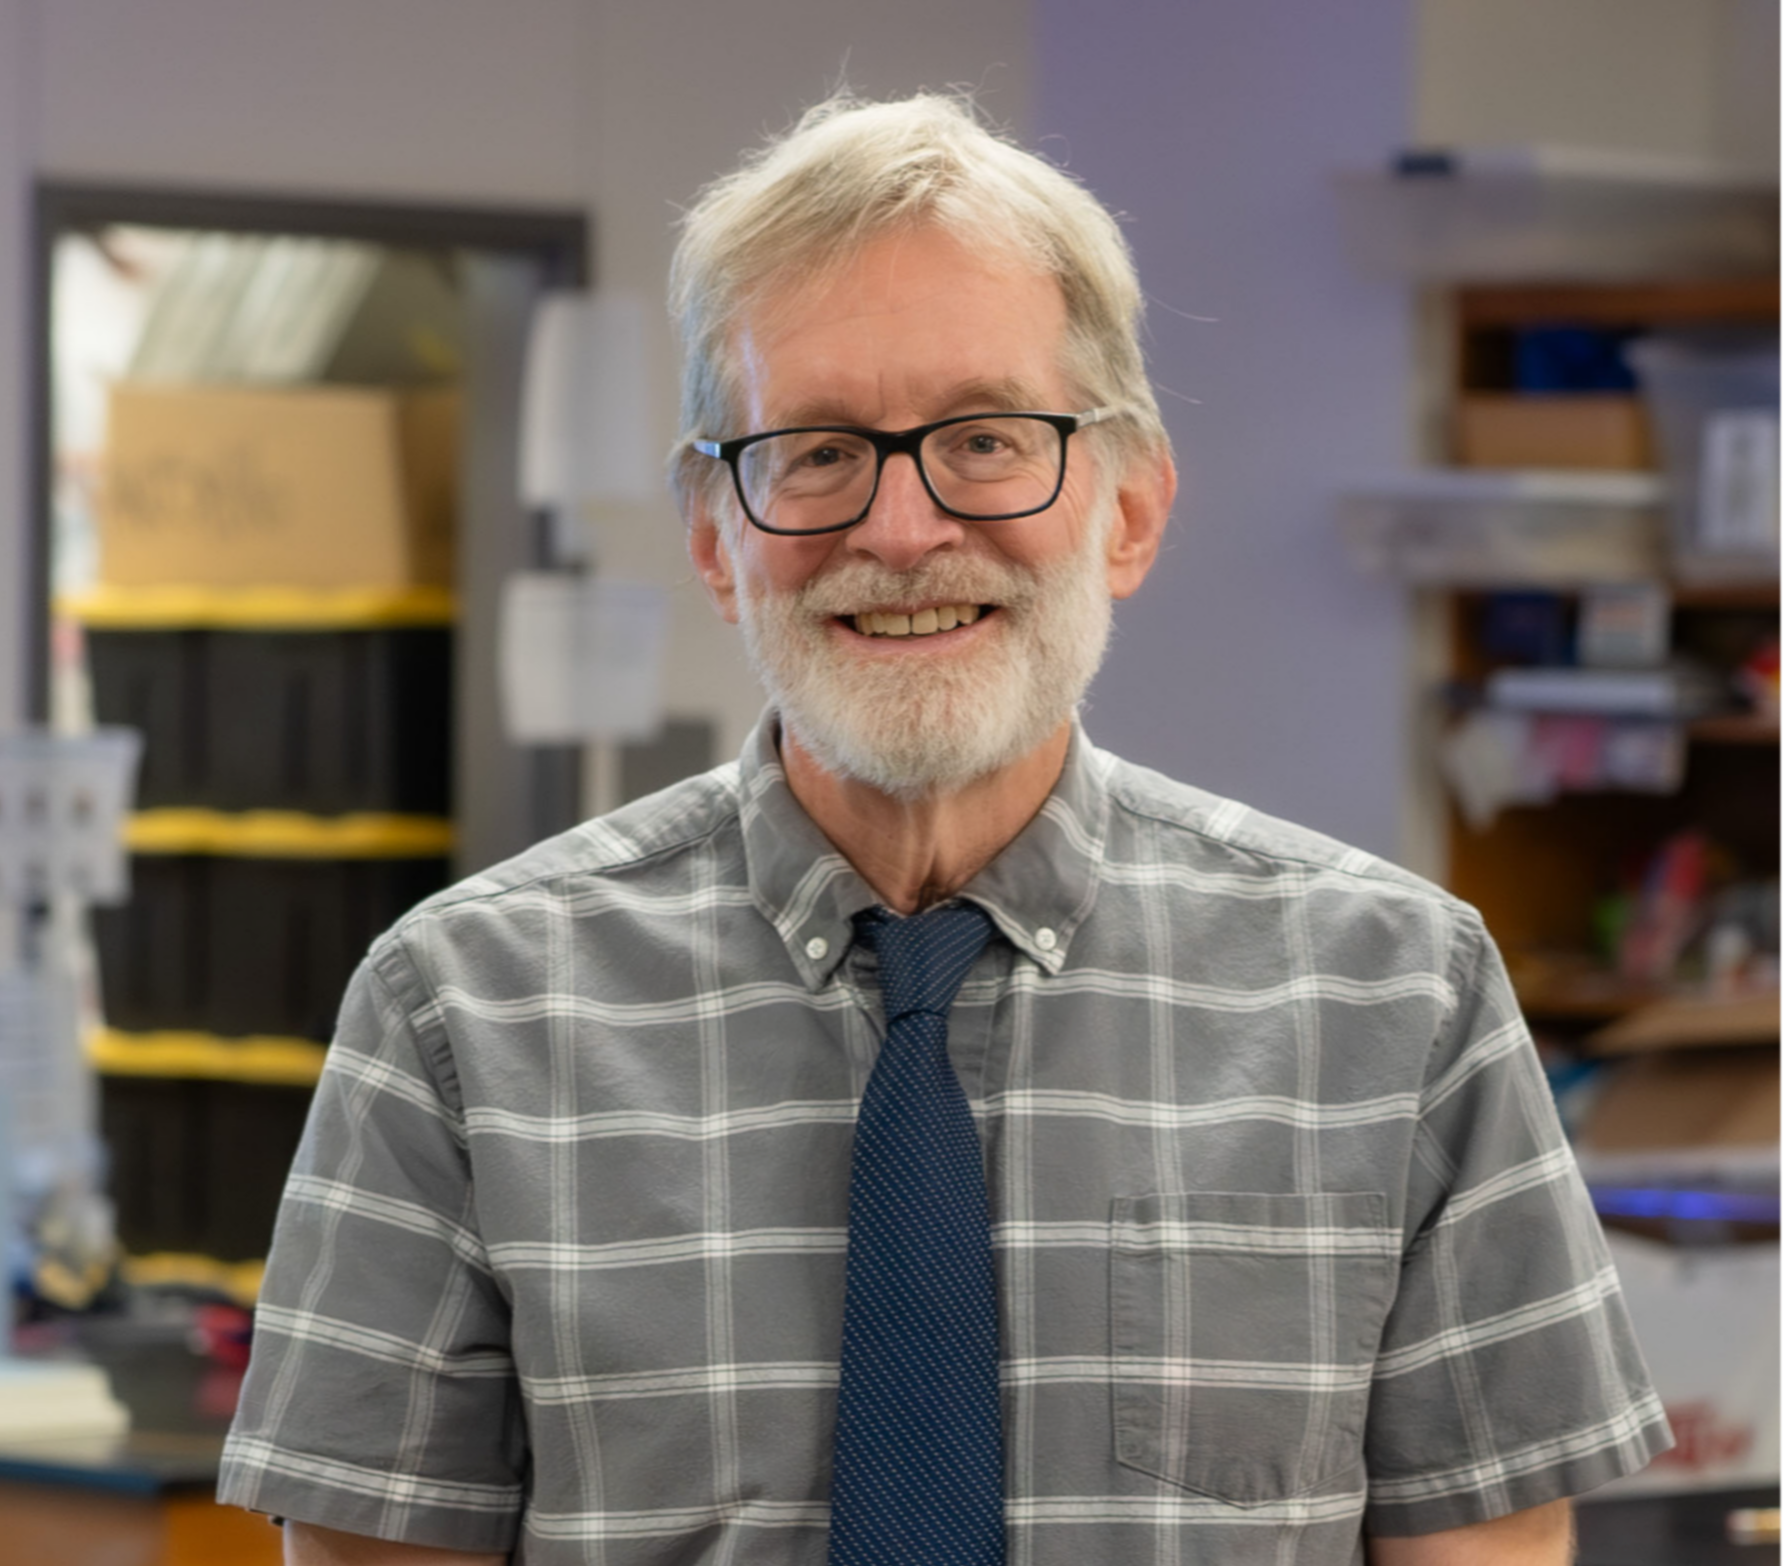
<point>887,443</point>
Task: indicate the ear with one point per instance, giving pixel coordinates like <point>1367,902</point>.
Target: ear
<point>1142,507</point>
<point>710,551</point>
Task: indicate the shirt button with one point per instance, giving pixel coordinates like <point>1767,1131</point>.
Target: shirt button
<point>1045,939</point>
<point>817,948</point>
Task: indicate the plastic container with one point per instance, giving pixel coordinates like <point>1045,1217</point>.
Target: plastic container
<point>1714,406</point>
<point>326,721</point>
<point>198,1166</point>
<point>230,946</point>
<point>1474,527</point>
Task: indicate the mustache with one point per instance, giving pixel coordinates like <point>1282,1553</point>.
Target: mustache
<point>865,584</point>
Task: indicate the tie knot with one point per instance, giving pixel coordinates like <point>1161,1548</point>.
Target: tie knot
<point>924,959</point>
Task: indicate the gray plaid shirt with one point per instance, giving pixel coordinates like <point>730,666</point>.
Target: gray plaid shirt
<point>1289,1243</point>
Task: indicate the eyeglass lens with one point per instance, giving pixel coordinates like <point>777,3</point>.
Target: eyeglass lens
<point>989,467</point>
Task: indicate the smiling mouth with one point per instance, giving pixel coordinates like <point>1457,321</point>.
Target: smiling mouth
<point>924,622</point>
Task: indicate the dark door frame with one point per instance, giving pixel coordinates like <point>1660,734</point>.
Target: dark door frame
<point>558,240</point>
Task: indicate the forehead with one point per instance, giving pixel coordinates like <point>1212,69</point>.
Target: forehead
<point>911,327</point>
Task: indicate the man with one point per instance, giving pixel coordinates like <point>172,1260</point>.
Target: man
<point>626,1231</point>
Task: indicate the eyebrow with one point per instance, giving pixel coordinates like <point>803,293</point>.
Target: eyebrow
<point>1011,394</point>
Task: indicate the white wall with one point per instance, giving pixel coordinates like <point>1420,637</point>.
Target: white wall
<point>1688,78</point>
<point>1255,662</point>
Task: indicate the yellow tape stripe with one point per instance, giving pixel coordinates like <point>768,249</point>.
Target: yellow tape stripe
<point>239,1280</point>
<point>287,834</point>
<point>176,606</point>
<point>258,1058</point>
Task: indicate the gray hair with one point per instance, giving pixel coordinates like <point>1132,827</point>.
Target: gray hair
<point>851,172</point>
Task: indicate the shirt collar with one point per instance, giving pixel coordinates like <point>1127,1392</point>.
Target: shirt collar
<point>1038,890</point>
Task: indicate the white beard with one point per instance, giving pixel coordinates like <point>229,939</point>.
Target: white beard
<point>915,726</point>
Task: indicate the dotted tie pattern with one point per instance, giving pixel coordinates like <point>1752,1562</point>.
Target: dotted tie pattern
<point>919,1426</point>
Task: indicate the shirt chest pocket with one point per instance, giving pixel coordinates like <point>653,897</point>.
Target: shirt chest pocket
<point>1245,1327</point>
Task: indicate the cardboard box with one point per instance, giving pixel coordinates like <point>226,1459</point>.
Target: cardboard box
<point>1692,1022</point>
<point>312,487</point>
<point>1706,1318</point>
<point>1720,1098</point>
<point>1552,432</point>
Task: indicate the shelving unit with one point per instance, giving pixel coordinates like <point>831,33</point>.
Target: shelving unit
<point>1512,214</point>
<point>1537,871</point>
<point>221,977</point>
<point>1502,249</point>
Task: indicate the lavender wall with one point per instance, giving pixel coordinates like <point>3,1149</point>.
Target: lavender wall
<point>1254,662</point>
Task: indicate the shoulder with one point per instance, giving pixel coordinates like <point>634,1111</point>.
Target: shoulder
<point>643,855</point>
<point>1156,818</point>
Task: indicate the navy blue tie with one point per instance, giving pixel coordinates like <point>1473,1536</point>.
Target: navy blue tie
<point>919,1426</point>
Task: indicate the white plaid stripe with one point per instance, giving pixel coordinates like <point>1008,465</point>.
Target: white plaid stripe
<point>1277,1109</point>
<point>567,1231</point>
<point>378,1483</point>
<point>387,1346</point>
<point>1589,1296</point>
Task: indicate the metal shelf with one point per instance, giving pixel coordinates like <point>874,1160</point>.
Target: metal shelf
<point>1483,527</point>
<point>1556,214</point>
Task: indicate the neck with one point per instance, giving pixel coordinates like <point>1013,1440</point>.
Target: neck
<point>914,853</point>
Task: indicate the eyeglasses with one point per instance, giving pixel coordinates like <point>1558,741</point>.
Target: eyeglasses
<point>980,467</point>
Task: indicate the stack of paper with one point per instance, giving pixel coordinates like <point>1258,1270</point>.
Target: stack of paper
<point>51,1399</point>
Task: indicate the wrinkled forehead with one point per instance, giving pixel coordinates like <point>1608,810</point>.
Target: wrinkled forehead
<point>813,271</point>
<point>919,318</point>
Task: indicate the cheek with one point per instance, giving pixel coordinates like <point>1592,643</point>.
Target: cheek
<point>783,565</point>
<point>1058,534</point>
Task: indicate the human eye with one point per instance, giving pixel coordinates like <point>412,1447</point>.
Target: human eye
<point>984,449</point>
<point>982,439</point>
<point>815,460</point>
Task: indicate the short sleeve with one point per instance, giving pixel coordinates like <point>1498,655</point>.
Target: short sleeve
<point>1508,1373</point>
<point>381,1396</point>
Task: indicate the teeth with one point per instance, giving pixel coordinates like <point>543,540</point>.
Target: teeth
<point>923,623</point>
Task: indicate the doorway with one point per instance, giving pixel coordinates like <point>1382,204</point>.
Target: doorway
<point>315,759</point>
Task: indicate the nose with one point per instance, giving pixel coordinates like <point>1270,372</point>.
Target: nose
<point>903,525</point>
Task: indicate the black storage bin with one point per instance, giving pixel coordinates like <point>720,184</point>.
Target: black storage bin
<point>252,1131</point>
<point>154,1133</point>
<point>332,721</point>
<point>199,1165</point>
<point>159,682</point>
<point>235,946</point>
<point>287,934</point>
<point>155,967</point>
<point>326,722</point>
